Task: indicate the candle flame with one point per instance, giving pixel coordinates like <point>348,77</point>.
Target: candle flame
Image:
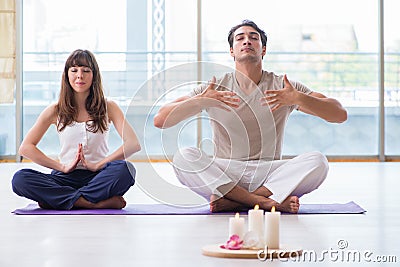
<point>256,207</point>
<point>273,209</point>
<point>237,215</point>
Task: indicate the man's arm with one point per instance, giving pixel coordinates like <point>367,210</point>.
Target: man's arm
<point>319,105</point>
<point>187,106</point>
<point>172,113</point>
<point>315,103</point>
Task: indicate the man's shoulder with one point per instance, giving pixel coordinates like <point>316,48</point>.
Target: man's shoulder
<point>230,76</point>
<point>271,75</point>
<point>225,81</point>
<point>226,76</point>
<point>271,79</point>
<point>222,81</point>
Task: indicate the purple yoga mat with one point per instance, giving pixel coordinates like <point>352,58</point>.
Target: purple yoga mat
<point>161,209</point>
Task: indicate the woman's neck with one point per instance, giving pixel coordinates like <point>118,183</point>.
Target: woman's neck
<point>80,101</point>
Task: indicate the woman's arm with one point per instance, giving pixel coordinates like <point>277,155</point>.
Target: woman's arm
<point>130,142</point>
<point>29,148</point>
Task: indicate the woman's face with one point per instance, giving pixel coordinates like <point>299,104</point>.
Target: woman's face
<point>80,78</point>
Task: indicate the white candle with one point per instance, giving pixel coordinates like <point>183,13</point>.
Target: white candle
<point>256,224</point>
<point>236,226</point>
<point>272,220</point>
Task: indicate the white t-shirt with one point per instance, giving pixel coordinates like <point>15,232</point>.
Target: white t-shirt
<point>94,145</point>
<point>251,131</point>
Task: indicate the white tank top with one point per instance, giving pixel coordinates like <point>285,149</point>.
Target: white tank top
<point>94,145</point>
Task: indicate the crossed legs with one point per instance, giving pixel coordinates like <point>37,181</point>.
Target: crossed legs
<point>79,189</point>
<point>115,202</point>
<point>239,198</point>
<point>232,185</point>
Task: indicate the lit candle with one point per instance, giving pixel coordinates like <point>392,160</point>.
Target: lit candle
<point>256,224</point>
<point>272,228</point>
<point>236,226</point>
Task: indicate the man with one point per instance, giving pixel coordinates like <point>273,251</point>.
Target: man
<point>248,110</point>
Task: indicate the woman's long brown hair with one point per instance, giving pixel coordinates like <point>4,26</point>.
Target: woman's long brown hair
<point>96,105</point>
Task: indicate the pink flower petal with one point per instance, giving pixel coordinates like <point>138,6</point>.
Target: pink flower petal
<point>234,243</point>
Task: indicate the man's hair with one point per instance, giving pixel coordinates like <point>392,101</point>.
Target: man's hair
<point>250,23</point>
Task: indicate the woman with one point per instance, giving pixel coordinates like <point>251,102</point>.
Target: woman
<point>86,176</point>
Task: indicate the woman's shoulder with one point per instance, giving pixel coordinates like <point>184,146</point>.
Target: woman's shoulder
<point>112,108</point>
<point>111,105</point>
<point>51,110</point>
<point>49,114</point>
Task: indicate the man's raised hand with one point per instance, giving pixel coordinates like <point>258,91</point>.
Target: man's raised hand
<point>211,97</point>
<point>285,97</point>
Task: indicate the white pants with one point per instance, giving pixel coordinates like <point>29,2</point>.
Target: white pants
<point>294,177</point>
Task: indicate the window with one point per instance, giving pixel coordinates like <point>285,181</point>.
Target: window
<point>392,78</point>
<point>147,52</point>
<point>7,77</point>
<point>324,45</point>
<point>142,39</point>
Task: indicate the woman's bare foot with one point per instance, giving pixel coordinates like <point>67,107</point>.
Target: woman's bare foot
<point>45,206</point>
<point>115,202</point>
<point>220,204</point>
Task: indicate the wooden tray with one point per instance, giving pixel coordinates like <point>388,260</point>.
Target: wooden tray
<point>216,251</point>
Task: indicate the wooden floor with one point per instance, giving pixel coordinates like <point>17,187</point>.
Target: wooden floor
<point>176,240</point>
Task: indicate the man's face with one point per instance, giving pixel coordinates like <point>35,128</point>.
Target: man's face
<point>247,45</point>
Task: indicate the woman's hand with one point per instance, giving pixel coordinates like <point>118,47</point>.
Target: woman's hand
<point>72,165</point>
<point>89,165</point>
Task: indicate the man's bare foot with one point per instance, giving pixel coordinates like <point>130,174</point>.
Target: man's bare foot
<point>115,202</point>
<point>291,204</point>
<point>220,204</point>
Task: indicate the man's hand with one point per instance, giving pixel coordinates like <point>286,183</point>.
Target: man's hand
<point>220,99</point>
<point>285,97</point>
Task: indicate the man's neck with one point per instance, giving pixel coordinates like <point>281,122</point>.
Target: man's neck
<point>248,75</point>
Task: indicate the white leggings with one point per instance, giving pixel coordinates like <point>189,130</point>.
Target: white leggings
<point>293,177</point>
